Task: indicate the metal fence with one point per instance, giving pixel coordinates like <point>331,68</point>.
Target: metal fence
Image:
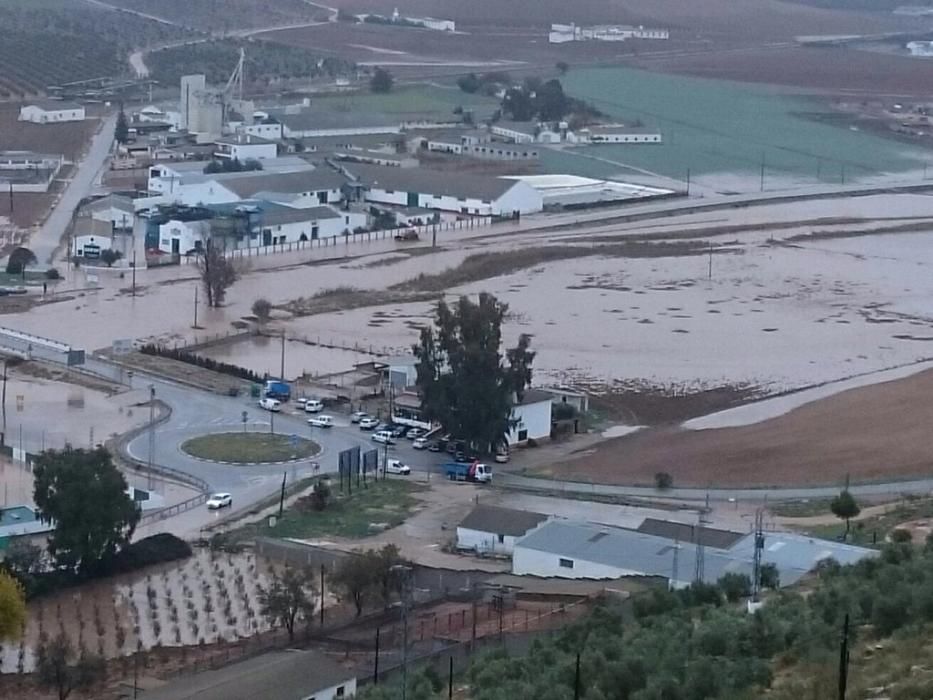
<point>348,238</point>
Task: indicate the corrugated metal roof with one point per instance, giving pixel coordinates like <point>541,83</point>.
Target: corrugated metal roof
<point>433,182</point>
<point>637,552</point>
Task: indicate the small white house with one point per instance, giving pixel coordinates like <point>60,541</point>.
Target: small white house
<point>533,417</point>
<point>493,530</point>
<point>51,112</point>
<point>244,146</point>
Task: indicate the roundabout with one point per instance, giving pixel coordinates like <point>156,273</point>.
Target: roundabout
<point>250,448</point>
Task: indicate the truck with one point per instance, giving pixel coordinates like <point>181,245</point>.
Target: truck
<point>474,471</point>
<point>276,389</point>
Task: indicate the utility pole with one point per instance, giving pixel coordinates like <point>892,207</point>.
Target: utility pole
<point>272,422</point>
<point>376,664</point>
<point>576,680</point>
<point>688,182</point>
<point>195,307</point>
<point>282,496</point>
<point>759,547</point>
<point>133,265</point>
<point>282,368</point>
<point>450,680</point>
<point>151,433</point>
<point>710,272</point>
<point>3,400</point>
<point>322,595</point>
<point>844,659</point>
<point>473,636</point>
<point>762,171</point>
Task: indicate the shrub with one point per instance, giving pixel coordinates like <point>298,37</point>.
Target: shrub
<point>262,309</point>
<point>735,586</point>
<point>901,536</point>
<point>663,481</point>
<point>564,411</point>
<point>197,360</point>
<point>155,549</point>
<point>53,274</point>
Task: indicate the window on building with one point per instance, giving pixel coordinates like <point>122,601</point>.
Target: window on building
<point>501,539</point>
<point>340,691</point>
<point>566,563</point>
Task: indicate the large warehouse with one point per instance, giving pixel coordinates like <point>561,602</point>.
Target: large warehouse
<point>572,549</point>
<point>559,191</point>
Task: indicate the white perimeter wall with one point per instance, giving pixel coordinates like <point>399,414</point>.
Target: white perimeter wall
<point>481,541</point>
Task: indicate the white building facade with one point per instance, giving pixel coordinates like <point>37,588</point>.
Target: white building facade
<point>244,146</point>
<point>532,416</point>
<point>52,112</point>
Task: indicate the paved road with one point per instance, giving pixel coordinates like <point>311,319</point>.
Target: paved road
<point>47,238</point>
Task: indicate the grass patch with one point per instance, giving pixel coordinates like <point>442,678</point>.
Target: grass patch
<point>872,531</point>
<point>346,298</point>
<point>347,515</point>
<point>249,448</point>
<point>804,508</point>
<point>481,266</point>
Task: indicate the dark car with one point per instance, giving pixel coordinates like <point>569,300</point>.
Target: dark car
<point>451,448</point>
<point>460,456</point>
<point>435,447</point>
<point>398,430</point>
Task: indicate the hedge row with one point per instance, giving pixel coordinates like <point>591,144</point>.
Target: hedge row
<point>204,362</point>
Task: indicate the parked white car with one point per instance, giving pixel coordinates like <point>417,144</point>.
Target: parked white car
<point>420,443</point>
<point>270,404</point>
<point>313,406</point>
<point>219,500</point>
<point>321,421</point>
<point>414,433</point>
<point>383,436</point>
<point>396,466</point>
<point>357,416</point>
<point>368,423</point>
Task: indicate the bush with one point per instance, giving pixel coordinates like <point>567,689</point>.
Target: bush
<point>735,586</point>
<point>563,411</point>
<point>197,360</point>
<point>53,274</point>
<point>663,481</point>
<point>156,549</point>
<point>262,309</point>
<point>901,536</point>
<point>109,256</point>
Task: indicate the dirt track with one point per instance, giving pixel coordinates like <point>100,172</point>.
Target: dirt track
<point>881,432</point>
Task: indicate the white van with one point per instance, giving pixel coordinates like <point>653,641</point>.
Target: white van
<point>313,406</point>
<point>273,405</point>
<point>397,466</point>
<point>383,436</point>
<point>321,421</point>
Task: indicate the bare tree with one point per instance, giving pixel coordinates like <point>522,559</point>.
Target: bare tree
<point>217,272</point>
<point>55,671</point>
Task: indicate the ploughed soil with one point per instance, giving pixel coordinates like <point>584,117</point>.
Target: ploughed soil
<point>874,433</point>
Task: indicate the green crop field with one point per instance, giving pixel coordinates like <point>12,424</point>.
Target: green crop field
<point>712,126</point>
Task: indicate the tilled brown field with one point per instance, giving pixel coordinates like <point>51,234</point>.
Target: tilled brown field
<point>832,70</point>
<point>875,433</point>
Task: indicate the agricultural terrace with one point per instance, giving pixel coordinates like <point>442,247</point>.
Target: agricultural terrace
<point>220,16</point>
<point>266,62</point>
<point>89,42</point>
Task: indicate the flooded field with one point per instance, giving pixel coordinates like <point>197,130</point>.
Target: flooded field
<point>207,598</point>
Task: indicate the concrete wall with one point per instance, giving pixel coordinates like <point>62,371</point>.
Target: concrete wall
<point>37,115</point>
<point>537,563</point>
<point>481,541</point>
<point>347,690</point>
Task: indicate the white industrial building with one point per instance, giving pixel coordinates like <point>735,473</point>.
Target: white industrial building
<point>308,123</point>
<point>618,134</point>
<point>923,49</point>
<point>244,146</point>
<point>262,129</point>
<point>275,225</point>
<point>51,112</point>
<point>532,417</point>
<point>667,549</point>
<point>516,132</point>
<point>289,674</point>
<point>115,210</point>
<point>463,193</point>
<point>575,191</point>
<point>562,33</point>
<point>493,530</point>
<point>201,108</point>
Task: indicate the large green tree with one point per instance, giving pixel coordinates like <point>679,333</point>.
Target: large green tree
<point>84,495</point>
<point>462,380</point>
